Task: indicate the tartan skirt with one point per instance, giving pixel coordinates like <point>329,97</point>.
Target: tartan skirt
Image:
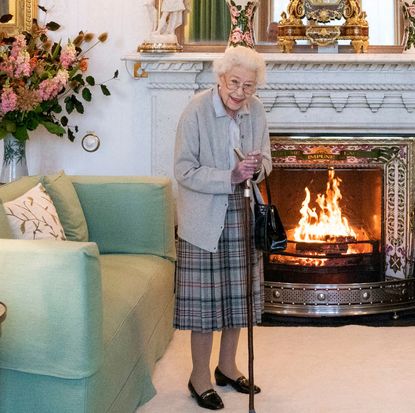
<point>211,287</point>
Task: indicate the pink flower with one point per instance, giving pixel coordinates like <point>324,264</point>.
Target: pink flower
<point>62,77</point>
<point>50,88</point>
<point>234,11</point>
<point>23,65</point>
<point>47,89</point>
<point>18,45</point>
<point>8,100</point>
<point>83,64</point>
<point>68,55</point>
<point>248,39</point>
<point>237,35</point>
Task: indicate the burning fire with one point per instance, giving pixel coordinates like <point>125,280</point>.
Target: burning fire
<point>329,225</point>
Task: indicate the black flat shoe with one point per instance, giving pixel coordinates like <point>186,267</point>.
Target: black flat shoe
<point>241,384</point>
<point>208,399</point>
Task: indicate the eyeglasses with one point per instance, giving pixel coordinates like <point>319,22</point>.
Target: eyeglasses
<point>234,84</point>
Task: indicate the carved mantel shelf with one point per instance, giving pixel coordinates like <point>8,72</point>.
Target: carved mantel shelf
<point>309,94</point>
<point>279,57</point>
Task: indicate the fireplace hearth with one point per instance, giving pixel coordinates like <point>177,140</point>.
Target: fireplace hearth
<point>363,263</point>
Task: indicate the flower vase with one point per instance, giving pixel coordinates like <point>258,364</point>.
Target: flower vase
<point>14,159</point>
<point>242,22</point>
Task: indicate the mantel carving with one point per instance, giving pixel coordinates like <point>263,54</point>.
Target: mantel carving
<point>163,66</point>
<point>343,66</point>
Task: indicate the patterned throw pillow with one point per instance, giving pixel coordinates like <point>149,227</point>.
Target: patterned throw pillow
<point>33,216</point>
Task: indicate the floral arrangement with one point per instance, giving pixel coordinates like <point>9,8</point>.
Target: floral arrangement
<point>42,81</point>
<point>409,15</point>
<point>242,33</point>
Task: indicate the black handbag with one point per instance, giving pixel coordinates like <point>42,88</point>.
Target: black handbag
<point>270,236</point>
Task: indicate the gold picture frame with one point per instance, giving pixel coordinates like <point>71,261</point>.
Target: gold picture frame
<point>23,11</point>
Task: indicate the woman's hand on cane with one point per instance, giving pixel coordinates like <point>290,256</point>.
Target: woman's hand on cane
<point>257,156</point>
<point>244,170</point>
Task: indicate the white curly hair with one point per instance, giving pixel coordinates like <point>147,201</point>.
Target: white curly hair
<point>243,57</point>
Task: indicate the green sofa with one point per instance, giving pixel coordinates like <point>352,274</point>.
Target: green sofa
<point>87,320</point>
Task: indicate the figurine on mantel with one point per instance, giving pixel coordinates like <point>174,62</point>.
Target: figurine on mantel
<point>171,16</point>
<point>162,37</point>
<point>152,13</point>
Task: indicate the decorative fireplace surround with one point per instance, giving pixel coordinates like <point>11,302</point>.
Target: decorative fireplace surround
<point>355,96</point>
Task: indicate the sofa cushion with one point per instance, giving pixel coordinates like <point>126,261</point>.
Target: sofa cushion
<point>65,198</point>
<point>5,231</point>
<point>128,214</point>
<point>11,191</point>
<point>15,189</point>
<point>33,216</point>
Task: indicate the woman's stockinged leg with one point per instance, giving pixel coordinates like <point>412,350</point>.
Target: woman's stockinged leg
<point>227,371</point>
<point>227,356</point>
<point>201,345</point>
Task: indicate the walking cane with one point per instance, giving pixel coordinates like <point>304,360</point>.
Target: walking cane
<point>249,304</point>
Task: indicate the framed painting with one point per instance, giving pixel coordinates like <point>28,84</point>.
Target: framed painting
<point>23,12</point>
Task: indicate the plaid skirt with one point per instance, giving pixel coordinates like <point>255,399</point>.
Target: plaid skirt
<point>211,287</point>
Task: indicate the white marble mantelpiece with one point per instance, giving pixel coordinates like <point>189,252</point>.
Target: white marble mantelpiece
<point>346,94</point>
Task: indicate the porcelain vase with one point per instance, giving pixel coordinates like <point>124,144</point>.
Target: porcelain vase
<point>242,22</point>
<point>14,159</point>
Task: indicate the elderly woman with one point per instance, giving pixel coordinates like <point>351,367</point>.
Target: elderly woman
<point>211,268</point>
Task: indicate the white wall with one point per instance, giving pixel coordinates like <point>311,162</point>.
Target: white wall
<point>125,146</point>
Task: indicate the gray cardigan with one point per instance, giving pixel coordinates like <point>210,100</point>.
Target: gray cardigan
<point>202,165</point>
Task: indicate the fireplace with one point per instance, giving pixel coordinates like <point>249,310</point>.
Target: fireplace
<point>346,204</point>
<point>337,241</point>
<point>359,96</point>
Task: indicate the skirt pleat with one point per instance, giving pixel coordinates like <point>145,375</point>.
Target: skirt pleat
<point>211,287</point>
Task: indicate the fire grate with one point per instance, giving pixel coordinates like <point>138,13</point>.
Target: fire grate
<point>339,262</point>
<point>339,300</point>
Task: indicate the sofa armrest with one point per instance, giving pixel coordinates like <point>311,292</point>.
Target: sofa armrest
<point>52,290</point>
<point>132,215</point>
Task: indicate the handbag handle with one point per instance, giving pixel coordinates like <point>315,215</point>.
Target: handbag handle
<point>269,201</point>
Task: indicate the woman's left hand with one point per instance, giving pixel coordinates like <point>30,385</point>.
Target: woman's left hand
<point>257,157</point>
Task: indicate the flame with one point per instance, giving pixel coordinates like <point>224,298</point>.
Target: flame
<point>327,225</point>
